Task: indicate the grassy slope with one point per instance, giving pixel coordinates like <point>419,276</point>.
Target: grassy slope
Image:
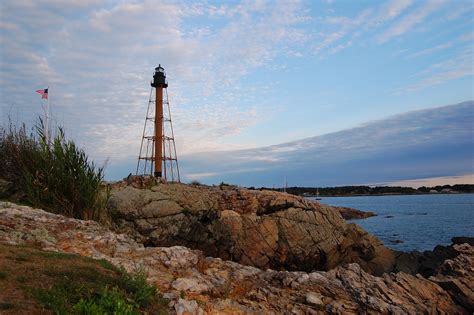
<point>36,281</point>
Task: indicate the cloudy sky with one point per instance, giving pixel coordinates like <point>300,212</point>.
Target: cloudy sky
<point>242,75</point>
<point>422,144</point>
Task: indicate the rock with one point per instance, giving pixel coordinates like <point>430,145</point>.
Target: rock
<point>456,276</point>
<point>378,293</point>
<point>462,240</point>
<point>265,229</point>
<point>426,263</point>
<point>160,208</point>
<point>232,288</point>
<point>190,284</point>
<point>314,299</point>
<point>185,307</point>
<point>397,241</point>
<point>354,214</point>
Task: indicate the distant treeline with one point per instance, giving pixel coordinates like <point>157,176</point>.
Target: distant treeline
<point>367,190</point>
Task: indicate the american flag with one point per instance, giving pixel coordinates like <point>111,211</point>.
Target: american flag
<point>44,93</point>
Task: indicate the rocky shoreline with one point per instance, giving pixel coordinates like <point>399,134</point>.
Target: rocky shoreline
<point>197,284</point>
<point>228,250</point>
<point>264,229</point>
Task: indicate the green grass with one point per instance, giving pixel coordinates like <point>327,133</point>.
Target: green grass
<point>56,255</point>
<point>141,293</point>
<point>71,284</point>
<point>109,301</point>
<point>6,305</point>
<point>106,264</point>
<point>86,290</point>
<point>22,279</point>
<point>21,257</point>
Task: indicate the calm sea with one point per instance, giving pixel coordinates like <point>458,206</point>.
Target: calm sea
<point>420,221</point>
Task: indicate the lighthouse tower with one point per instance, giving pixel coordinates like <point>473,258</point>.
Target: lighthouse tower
<point>158,150</point>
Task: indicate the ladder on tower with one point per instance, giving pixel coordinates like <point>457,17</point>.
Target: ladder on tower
<point>146,158</point>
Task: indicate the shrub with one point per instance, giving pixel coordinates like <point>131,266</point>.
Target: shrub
<point>110,301</point>
<point>16,150</point>
<point>55,175</point>
<point>135,284</point>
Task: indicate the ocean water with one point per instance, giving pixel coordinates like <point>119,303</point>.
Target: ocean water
<point>420,221</point>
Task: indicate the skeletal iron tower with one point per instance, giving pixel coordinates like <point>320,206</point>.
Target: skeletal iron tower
<point>158,150</point>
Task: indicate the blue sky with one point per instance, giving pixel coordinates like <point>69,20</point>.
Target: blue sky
<point>242,74</point>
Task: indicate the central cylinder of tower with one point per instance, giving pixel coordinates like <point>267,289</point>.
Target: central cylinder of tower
<point>159,132</point>
<point>159,83</point>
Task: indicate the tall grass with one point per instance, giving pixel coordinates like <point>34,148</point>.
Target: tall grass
<point>55,175</point>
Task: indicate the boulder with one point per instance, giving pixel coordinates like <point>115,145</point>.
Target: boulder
<point>456,276</point>
<point>354,214</point>
<point>463,240</point>
<point>185,307</point>
<point>314,299</point>
<point>265,229</point>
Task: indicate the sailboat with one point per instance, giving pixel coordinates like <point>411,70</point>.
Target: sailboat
<point>317,194</point>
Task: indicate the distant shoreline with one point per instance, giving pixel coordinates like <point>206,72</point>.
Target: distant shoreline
<point>352,191</point>
<point>381,195</point>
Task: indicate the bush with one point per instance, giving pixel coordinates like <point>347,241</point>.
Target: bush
<point>16,150</point>
<point>110,301</point>
<point>54,175</point>
<point>141,292</point>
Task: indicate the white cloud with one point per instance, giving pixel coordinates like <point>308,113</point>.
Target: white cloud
<point>98,58</point>
<point>431,50</point>
<point>434,181</point>
<point>346,30</point>
<point>468,37</point>
<point>456,67</point>
<point>410,20</point>
<point>395,8</point>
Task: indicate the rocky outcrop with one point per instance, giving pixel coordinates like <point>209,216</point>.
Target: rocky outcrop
<point>428,263</point>
<point>456,275</point>
<point>203,285</point>
<point>354,214</point>
<point>265,229</point>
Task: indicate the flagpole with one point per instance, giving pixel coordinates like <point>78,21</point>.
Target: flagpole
<point>47,118</point>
